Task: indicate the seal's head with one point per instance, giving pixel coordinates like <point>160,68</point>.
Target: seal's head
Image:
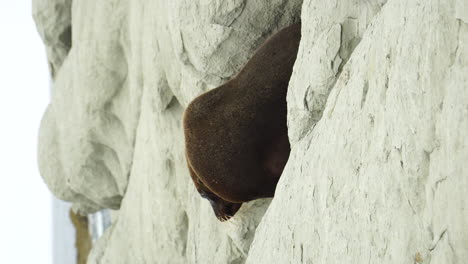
<point>223,210</point>
<point>236,135</point>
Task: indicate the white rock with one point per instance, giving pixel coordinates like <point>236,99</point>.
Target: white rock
<point>87,135</point>
<point>113,128</point>
<point>53,20</point>
<point>382,177</point>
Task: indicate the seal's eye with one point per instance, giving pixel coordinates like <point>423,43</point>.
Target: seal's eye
<point>203,194</point>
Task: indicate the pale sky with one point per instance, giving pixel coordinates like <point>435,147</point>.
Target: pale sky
<point>25,201</point>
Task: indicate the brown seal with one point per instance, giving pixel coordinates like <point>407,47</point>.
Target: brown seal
<point>236,140</point>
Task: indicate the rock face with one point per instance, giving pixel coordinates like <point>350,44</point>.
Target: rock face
<point>377,117</point>
<point>382,177</point>
<point>53,20</point>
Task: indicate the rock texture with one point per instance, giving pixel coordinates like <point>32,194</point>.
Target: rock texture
<point>53,20</point>
<point>377,113</point>
<point>382,176</point>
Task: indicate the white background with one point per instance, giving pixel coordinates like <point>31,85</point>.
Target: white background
<point>25,202</point>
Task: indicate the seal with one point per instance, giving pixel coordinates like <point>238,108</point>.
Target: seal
<point>236,141</point>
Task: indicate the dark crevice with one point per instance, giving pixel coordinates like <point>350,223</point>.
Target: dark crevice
<point>183,233</point>
<point>365,89</point>
<point>441,236</point>
<point>172,103</point>
<point>66,37</point>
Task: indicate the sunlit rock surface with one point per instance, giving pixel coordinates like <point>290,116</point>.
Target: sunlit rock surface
<point>382,177</point>
<point>377,117</point>
<point>112,136</point>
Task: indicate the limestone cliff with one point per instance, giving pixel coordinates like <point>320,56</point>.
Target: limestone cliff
<point>377,118</point>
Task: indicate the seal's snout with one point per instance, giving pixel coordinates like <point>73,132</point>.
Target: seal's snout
<point>224,210</point>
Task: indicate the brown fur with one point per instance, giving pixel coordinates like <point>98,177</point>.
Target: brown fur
<point>236,136</point>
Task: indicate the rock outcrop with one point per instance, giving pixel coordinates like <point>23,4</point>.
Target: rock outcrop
<point>377,117</point>
<point>382,176</point>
